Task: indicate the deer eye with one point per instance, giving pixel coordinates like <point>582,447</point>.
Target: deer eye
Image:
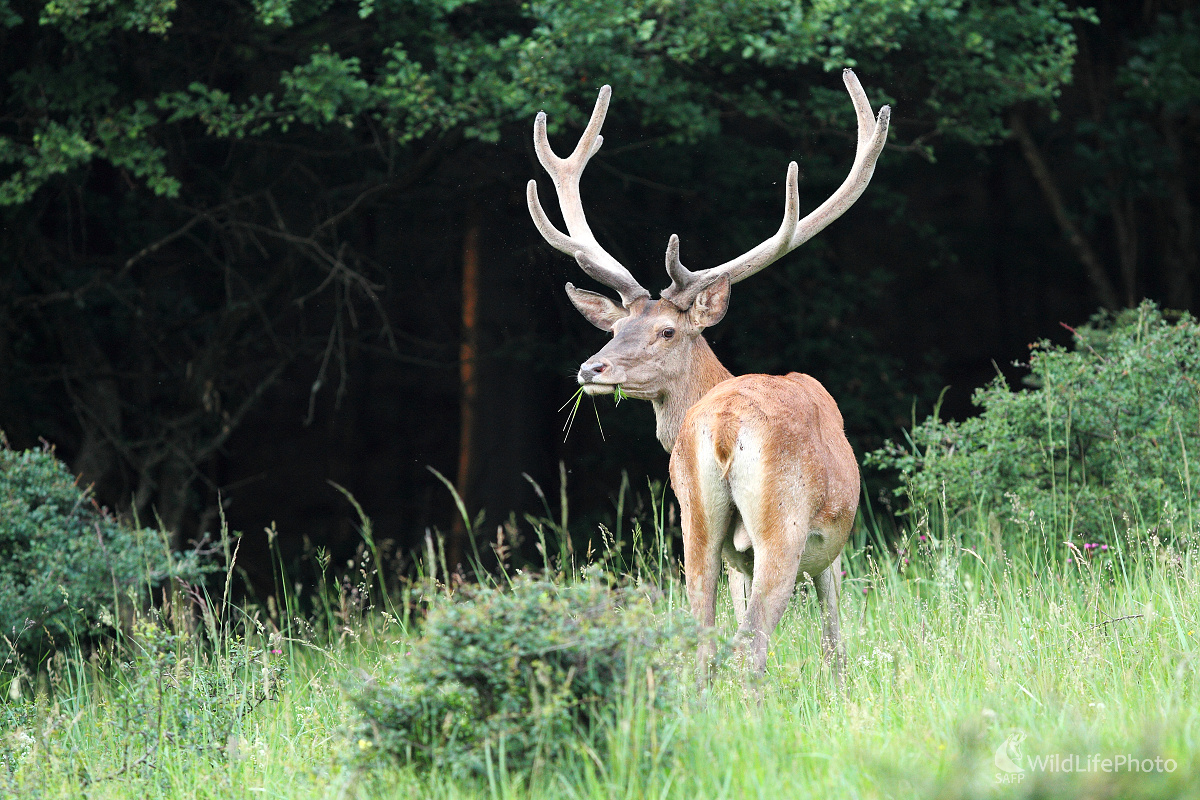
<point>667,333</point>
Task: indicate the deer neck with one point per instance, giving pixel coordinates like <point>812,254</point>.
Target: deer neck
<point>703,372</point>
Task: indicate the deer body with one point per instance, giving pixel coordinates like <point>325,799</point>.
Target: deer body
<point>765,477</point>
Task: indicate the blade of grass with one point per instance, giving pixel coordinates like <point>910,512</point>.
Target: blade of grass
<point>577,398</point>
<point>466,518</point>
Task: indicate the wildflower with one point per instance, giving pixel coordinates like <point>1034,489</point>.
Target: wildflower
<point>276,651</point>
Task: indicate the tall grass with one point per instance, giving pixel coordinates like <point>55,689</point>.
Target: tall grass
<point>956,641</point>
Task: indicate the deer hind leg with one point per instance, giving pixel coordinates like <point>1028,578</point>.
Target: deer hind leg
<point>739,592</point>
<point>829,591</point>
<point>777,520</point>
<point>775,567</point>
<point>706,507</point>
<point>739,565</point>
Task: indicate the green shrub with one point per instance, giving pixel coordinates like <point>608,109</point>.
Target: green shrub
<point>1107,435</point>
<point>529,669</point>
<point>65,563</point>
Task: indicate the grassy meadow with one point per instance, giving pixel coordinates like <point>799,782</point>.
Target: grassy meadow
<point>959,646</point>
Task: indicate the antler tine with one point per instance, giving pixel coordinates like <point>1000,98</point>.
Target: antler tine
<point>862,108</point>
<point>579,241</point>
<point>685,284</point>
<point>872,134</point>
<point>680,275</point>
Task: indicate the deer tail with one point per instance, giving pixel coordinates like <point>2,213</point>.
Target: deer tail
<point>725,434</point>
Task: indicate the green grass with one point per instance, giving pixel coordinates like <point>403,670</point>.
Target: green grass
<point>618,394</point>
<point>948,654</point>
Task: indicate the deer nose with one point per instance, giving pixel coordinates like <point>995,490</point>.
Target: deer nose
<point>591,369</point>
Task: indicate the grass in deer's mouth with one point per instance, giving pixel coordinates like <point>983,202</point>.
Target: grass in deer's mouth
<point>618,395</point>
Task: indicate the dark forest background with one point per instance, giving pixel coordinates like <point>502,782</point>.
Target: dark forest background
<point>248,248</point>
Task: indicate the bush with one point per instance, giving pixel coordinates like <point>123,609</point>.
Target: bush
<point>65,563</point>
<point>1107,436</point>
<point>527,669</point>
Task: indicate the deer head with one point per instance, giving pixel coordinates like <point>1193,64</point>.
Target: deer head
<point>657,352</point>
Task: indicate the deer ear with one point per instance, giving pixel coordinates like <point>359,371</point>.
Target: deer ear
<point>710,304</point>
<point>598,309</point>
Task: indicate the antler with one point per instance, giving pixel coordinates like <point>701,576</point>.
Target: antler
<point>872,133</point>
<point>580,242</point>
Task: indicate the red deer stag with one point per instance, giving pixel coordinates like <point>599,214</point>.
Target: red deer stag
<point>760,463</point>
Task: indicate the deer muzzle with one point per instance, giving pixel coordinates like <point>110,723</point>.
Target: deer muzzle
<point>598,376</point>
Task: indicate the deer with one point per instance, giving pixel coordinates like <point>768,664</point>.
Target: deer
<point>765,477</point>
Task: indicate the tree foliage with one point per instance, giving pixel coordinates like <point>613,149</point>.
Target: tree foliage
<point>429,67</point>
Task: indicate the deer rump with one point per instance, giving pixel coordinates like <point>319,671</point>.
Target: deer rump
<point>788,498</point>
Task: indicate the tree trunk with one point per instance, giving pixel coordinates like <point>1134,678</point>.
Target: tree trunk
<point>1079,243</point>
<point>97,402</point>
<point>1124,217</point>
<point>468,378</point>
<point>1179,246</point>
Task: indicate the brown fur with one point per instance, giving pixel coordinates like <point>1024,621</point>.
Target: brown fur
<point>808,485</point>
<point>806,429</point>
